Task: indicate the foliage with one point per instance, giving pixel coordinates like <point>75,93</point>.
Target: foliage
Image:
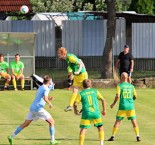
<point>143,6</point>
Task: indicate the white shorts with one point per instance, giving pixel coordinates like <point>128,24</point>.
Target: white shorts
<point>42,114</point>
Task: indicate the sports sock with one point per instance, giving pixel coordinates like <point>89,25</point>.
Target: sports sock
<point>14,83</point>
<point>52,132</point>
<point>6,85</point>
<point>81,139</point>
<point>22,83</point>
<point>114,131</point>
<point>72,99</point>
<point>18,130</point>
<point>101,137</point>
<point>136,129</point>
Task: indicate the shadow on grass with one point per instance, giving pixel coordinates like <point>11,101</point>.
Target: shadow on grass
<point>60,139</point>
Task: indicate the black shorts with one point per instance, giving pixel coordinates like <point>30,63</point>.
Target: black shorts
<point>125,70</point>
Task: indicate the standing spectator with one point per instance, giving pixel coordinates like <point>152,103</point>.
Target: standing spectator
<point>126,62</point>
<point>17,72</point>
<point>4,66</point>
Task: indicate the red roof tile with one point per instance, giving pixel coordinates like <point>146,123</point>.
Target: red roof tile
<point>13,5</point>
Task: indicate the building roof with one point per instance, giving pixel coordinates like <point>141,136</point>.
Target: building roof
<point>130,17</point>
<point>13,5</point>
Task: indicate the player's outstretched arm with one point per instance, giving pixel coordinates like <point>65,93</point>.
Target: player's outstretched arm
<point>48,101</point>
<point>115,101</point>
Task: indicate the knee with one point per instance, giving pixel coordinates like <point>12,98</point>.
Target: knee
<point>22,77</point>
<point>75,90</point>
<point>51,122</point>
<point>9,77</point>
<point>13,77</point>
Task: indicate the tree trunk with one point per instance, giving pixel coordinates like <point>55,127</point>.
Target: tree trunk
<point>107,71</point>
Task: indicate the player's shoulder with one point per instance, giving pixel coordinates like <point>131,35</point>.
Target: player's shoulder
<point>4,62</point>
<point>21,62</point>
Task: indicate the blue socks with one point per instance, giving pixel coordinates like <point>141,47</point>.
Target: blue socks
<point>18,130</point>
<point>52,130</point>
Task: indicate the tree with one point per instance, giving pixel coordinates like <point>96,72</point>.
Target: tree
<point>107,54</point>
<point>143,6</point>
<point>52,5</point>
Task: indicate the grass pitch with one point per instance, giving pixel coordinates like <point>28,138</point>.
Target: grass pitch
<point>14,107</point>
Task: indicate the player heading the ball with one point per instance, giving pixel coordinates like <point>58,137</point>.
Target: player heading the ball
<point>78,70</point>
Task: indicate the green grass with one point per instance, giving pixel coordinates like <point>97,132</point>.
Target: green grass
<point>62,74</point>
<point>14,107</point>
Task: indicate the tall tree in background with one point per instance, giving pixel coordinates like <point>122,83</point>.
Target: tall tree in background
<point>143,6</point>
<point>107,54</point>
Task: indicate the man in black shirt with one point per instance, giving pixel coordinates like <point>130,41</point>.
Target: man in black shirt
<point>126,62</point>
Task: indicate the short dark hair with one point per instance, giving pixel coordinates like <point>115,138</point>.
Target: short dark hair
<point>1,55</point>
<point>87,83</point>
<point>17,55</point>
<point>46,78</point>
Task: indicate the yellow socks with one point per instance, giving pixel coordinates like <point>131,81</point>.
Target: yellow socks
<point>101,137</point>
<point>114,131</point>
<point>81,139</point>
<point>136,129</point>
<point>22,83</point>
<point>6,85</point>
<point>14,83</point>
<point>72,100</point>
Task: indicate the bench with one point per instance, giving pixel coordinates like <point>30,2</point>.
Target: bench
<point>28,84</point>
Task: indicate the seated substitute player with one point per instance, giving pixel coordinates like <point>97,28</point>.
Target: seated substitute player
<point>78,70</point>
<point>90,110</point>
<point>127,94</point>
<point>4,67</point>
<point>17,72</point>
<point>37,111</point>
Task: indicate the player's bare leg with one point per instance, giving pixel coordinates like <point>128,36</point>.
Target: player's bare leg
<point>18,130</point>
<point>115,129</point>
<point>8,79</point>
<point>82,135</point>
<point>22,82</point>
<point>101,135</point>
<point>136,129</point>
<point>72,100</point>
<point>129,79</point>
<point>52,131</point>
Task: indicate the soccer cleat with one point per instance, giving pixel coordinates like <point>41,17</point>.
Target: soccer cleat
<point>111,138</point>
<point>69,108</point>
<point>10,139</point>
<point>138,138</point>
<point>16,89</point>
<point>54,142</point>
<point>22,89</point>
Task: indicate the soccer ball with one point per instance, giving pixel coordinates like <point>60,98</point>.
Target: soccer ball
<point>24,9</point>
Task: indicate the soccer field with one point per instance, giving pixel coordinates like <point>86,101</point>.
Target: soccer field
<point>14,107</point>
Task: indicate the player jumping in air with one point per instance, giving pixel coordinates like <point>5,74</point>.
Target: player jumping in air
<point>4,68</point>
<point>37,111</point>
<point>78,70</point>
<point>90,111</point>
<point>127,94</point>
